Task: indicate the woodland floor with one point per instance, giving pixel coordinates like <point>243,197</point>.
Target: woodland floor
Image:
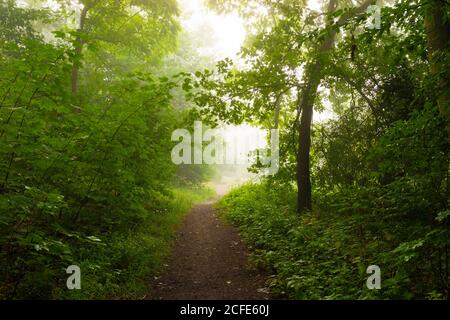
<point>209,261</point>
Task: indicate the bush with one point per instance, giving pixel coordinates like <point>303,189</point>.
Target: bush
<point>324,254</point>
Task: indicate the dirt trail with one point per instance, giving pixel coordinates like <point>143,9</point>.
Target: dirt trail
<point>209,261</point>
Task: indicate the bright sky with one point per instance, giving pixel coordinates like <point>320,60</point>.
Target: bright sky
<point>227,30</point>
<point>315,4</point>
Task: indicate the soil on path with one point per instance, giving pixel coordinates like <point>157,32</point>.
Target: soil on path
<point>209,261</point>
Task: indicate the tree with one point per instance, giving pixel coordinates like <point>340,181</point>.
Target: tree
<point>135,28</point>
<point>290,38</point>
<point>314,72</point>
<point>437,26</point>
<point>72,183</point>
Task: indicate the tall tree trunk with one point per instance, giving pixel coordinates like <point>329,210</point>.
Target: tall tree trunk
<point>438,40</point>
<point>309,93</point>
<point>79,43</point>
<point>312,77</point>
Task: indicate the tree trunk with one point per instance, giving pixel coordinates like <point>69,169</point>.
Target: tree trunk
<point>438,40</point>
<point>312,77</point>
<point>79,42</point>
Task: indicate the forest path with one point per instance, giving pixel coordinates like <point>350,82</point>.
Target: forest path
<point>209,261</point>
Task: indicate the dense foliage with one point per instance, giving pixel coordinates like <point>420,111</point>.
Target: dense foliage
<point>90,95</point>
<point>324,254</point>
<point>379,168</point>
<point>85,179</point>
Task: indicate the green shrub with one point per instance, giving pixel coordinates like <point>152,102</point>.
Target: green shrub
<point>324,254</point>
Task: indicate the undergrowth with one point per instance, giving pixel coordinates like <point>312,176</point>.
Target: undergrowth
<point>324,254</point>
<point>122,269</point>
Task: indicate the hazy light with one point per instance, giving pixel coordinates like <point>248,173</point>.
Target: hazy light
<point>315,5</point>
<point>227,30</point>
<point>245,138</point>
<point>323,116</point>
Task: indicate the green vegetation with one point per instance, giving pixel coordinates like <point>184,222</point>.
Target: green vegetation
<point>91,92</point>
<point>370,186</point>
<point>85,171</point>
<point>122,268</point>
<point>323,254</point>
